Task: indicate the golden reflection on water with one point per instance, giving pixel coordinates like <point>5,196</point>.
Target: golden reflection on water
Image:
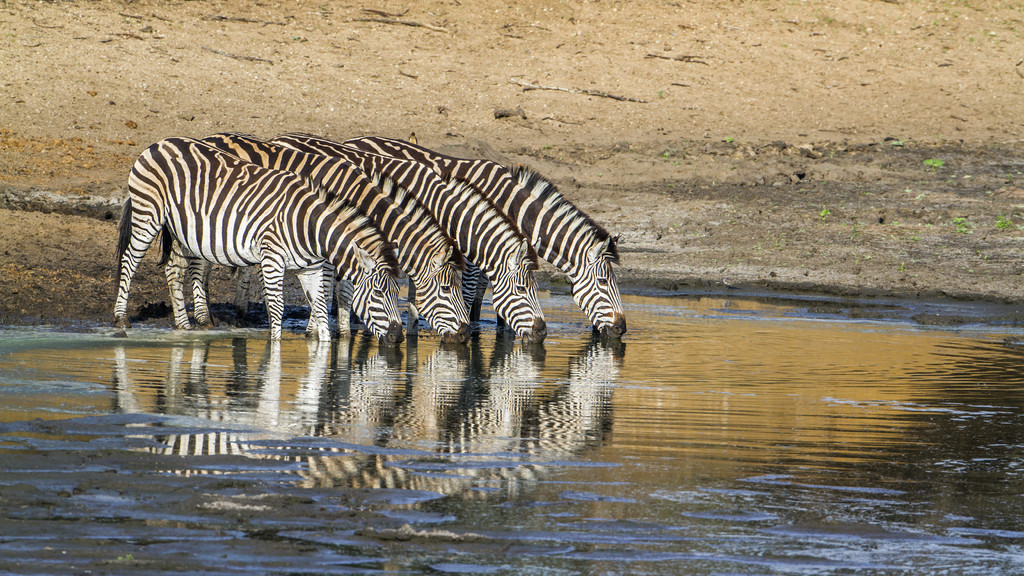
<point>714,385</point>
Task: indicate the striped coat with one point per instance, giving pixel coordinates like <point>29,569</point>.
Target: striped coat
<point>236,213</point>
<point>483,234</point>
<point>561,233</point>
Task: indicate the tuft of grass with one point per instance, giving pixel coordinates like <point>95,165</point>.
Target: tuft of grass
<point>934,163</point>
<point>825,213</point>
<point>963,225</point>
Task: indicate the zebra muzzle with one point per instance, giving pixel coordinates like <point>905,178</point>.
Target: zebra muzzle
<point>538,332</point>
<point>394,334</point>
<point>617,326</point>
<point>459,336</point>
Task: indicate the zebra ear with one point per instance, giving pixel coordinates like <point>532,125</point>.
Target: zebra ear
<point>365,260</point>
<point>412,138</point>
<point>442,258</point>
<point>517,258</point>
<point>600,250</point>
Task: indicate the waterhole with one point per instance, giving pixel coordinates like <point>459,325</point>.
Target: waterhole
<point>718,437</point>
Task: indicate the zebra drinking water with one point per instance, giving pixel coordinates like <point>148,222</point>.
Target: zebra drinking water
<point>427,254</point>
<point>561,233</point>
<point>236,213</point>
<point>484,235</point>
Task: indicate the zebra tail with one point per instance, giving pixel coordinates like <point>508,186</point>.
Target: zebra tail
<point>124,230</point>
<point>165,245</point>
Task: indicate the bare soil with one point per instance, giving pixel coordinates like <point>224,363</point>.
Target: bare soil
<point>868,148</point>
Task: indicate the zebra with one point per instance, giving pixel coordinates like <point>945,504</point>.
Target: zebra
<point>236,213</point>
<point>484,235</point>
<point>561,233</point>
<point>429,256</point>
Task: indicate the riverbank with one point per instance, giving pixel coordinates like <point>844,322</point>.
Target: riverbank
<point>874,153</point>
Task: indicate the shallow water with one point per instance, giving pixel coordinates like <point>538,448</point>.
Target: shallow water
<point>721,437</point>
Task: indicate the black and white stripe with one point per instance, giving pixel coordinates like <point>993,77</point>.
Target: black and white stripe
<point>235,213</point>
<point>484,235</point>
<point>561,233</point>
<point>427,254</point>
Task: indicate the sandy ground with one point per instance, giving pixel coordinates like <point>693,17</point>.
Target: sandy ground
<point>865,148</point>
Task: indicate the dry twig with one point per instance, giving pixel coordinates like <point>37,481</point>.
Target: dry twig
<point>219,18</point>
<point>237,57</point>
<point>386,14</point>
<point>46,25</point>
<point>599,93</point>
<point>690,59</point>
<point>403,23</point>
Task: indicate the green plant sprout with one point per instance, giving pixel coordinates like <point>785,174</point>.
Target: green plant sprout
<point>963,225</point>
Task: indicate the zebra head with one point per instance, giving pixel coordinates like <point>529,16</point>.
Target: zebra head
<point>375,294</point>
<point>515,293</point>
<point>595,291</point>
<point>439,296</point>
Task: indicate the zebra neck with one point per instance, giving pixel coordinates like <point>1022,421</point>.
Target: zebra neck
<point>335,243</point>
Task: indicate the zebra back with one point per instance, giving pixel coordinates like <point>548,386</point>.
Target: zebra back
<point>556,227</point>
<point>420,241</point>
<point>236,213</point>
<point>563,234</point>
<point>484,234</point>
<point>425,252</point>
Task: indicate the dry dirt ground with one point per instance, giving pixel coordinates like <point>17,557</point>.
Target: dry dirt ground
<point>866,148</point>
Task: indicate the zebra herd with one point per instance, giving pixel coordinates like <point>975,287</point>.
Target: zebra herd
<point>359,212</point>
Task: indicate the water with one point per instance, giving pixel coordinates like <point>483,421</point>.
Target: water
<point>721,437</point>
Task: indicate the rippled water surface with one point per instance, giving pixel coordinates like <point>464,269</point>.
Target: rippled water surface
<point>720,437</point>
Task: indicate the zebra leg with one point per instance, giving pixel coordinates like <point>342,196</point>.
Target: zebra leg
<point>413,327</point>
<point>272,270</point>
<point>175,271</point>
<point>326,280</point>
<point>312,280</point>
<point>199,277</point>
<point>471,279</point>
<point>243,276</point>
<point>478,297</point>
<point>343,305</point>
<point>136,235</point>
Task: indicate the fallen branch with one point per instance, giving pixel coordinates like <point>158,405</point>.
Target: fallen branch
<point>386,14</point>
<point>219,18</point>
<point>412,23</point>
<point>237,57</point>
<point>46,25</point>
<point>527,86</point>
<point>690,59</point>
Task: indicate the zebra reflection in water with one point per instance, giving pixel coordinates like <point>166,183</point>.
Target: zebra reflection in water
<point>445,419</point>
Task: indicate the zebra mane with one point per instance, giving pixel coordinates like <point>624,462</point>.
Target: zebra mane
<point>387,254</point>
<point>402,196</point>
<point>330,195</point>
<point>548,193</point>
<point>337,202</point>
<point>463,188</point>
